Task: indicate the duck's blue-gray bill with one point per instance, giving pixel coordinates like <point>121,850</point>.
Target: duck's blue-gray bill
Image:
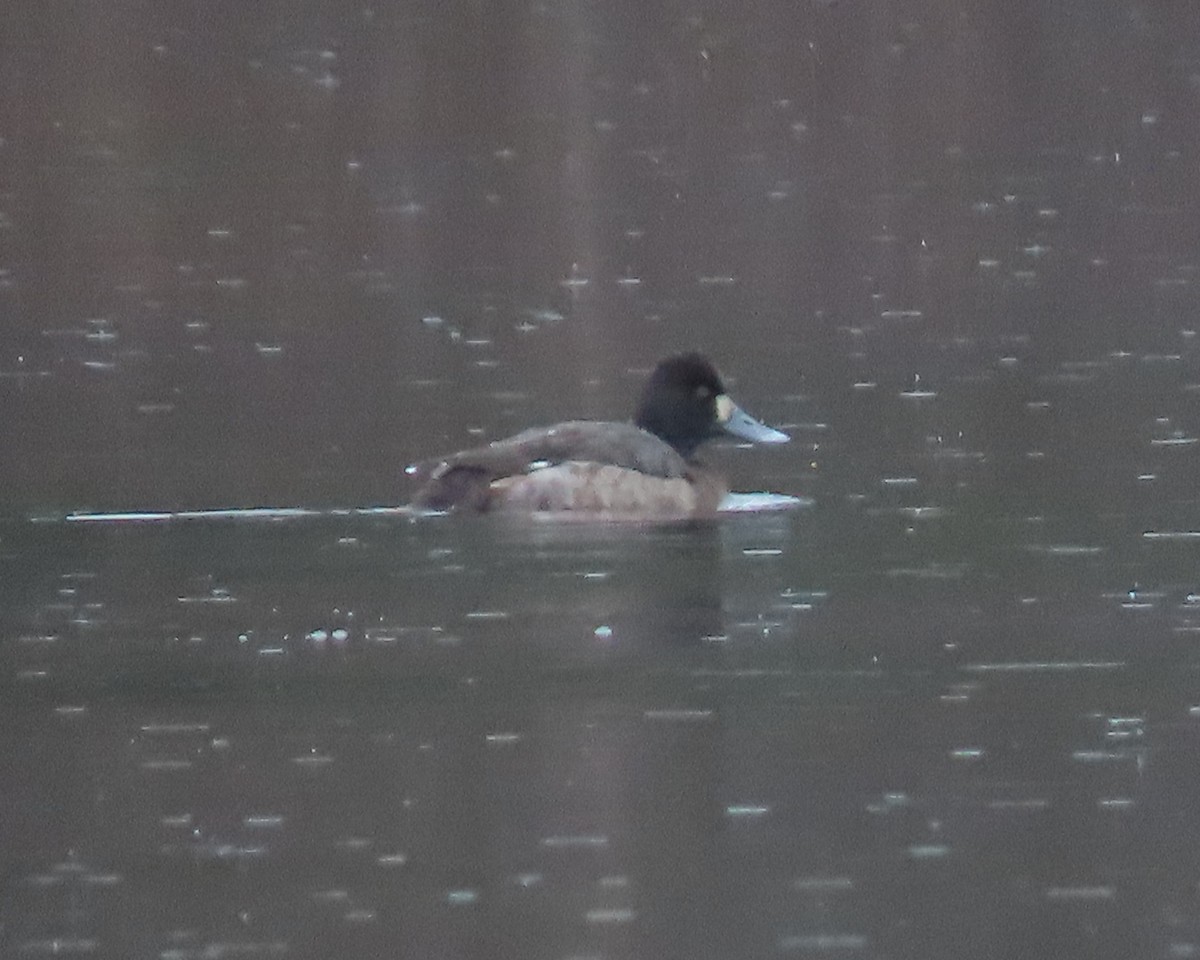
<point>741,424</point>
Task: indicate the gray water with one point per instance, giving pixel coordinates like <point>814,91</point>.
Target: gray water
<point>270,254</point>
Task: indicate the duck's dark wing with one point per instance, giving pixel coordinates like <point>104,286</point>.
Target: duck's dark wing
<point>463,480</point>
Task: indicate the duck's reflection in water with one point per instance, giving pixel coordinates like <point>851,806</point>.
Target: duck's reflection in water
<point>628,588</point>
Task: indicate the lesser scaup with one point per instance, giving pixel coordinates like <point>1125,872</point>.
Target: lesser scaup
<point>644,469</point>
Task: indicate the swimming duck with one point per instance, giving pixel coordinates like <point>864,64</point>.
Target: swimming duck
<point>644,469</point>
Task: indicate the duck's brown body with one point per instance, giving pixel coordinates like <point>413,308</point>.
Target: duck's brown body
<point>635,470</point>
<point>600,489</point>
<point>578,466</point>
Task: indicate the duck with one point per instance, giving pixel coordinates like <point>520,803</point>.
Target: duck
<point>646,468</point>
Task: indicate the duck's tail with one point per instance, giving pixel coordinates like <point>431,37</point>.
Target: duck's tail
<point>452,486</point>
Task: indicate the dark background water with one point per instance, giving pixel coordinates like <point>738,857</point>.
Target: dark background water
<point>270,253</point>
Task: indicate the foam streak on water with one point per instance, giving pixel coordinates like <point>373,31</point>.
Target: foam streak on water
<point>232,513</point>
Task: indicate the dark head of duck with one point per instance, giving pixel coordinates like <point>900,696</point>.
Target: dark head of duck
<point>684,402</point>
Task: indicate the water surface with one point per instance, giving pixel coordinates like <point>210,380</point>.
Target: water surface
<point>266,256</point>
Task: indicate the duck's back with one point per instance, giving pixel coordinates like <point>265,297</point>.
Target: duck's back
<point>579,465</point>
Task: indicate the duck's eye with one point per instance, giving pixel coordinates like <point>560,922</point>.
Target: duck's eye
<point>702,392</point>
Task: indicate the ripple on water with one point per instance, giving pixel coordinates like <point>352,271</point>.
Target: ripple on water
<point>1081,893</point>
<point>64,946</point>
<point>610,915</point>
<point>228,948</point>
<point>747,810</point>
<point>929,851</point>
<point>575,841</point>
<point>677,715</point>
<point>824,942</point>
<point>1044,666</point>
<point>823,884</point>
